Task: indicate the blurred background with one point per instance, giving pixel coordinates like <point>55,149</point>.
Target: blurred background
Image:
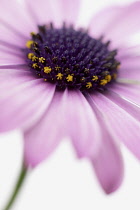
<point>62,181</point>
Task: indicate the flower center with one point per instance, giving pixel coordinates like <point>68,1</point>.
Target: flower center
<point>71,59</point>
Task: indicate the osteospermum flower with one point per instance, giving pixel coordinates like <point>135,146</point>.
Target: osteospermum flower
<point>59,79</point>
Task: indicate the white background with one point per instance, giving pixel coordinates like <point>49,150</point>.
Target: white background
<point>63,182</point>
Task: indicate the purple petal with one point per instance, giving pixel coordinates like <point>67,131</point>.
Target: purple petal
<point>108,163</point>
<point>130,92</point>
<point>69,10</point>
<point>117,24</point>
<point>130,68</point>
<point>43,137</point>
<point>127,24</point>
<point>56,11</point>
<point>17,27</point>
<point>83,125</point>
<point>10,58</point>
<point>102,20</point>
<point>123,125</point>
<point>128,52</point>
<point>23,97</point>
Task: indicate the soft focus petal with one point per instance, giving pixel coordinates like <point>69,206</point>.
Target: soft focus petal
<point>102,20</point>
<point>69,10</point>
<point>130,92</point>
<point>9,54</point>
<point>83,125</point>
<point>130,68</point>
<point>8,57</point>
<point>123,125</point>
<point>43,137</point>
<point>56,11</point>
<point>126,25</point>
<point>108,163</point>
<point>22,100</point>
<point>16,20</point>
<point>129,51</point>
<point>117,24</point>
<point>125,104</point>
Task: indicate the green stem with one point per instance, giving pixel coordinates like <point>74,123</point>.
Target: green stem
<point>17,188</point>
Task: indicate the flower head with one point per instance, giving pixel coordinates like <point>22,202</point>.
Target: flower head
<point>59,80</point>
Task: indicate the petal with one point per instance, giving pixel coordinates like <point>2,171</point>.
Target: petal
<point>83,125</point>
<point>7,55</point>
<point>127,24</point>
<point>43,137</point>
<point>108,163</point>
<point>128,52</point>
<point>125,104</point>
<point>117,24</point>
<point>102,20</point>
<point>130,92</point>
<point>123,125</point>
<point>9,58</point>
<point>69,9</point>
<point>130,68</point>
<point>23,97</point>
<point>18,27</point>
<point>56,11</point>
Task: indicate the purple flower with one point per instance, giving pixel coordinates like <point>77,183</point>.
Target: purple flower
<point>58,80</point>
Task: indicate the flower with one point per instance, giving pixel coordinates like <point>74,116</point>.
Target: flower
<point>59,80</point>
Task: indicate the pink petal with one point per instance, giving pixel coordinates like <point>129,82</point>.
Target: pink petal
<point>123,125</point>
<point>108,163</point>
<point>130,68</point>
<point>69,10</point>
<point>11,37</point>
<point>43,137</point>
<point>102,20</point>
<point>9,55</point>
<point>20,27</point>
<point>56,11</point>
<point>117,24</point>
<point>128,51</point>
<point>11,59</point>
<point>23,97</point>
<point>130,92</point>
<point>127,24</point>
<point>83,125</point>
<point>123,103</point>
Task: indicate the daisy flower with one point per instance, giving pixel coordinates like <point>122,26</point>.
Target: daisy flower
<point>59,79</point>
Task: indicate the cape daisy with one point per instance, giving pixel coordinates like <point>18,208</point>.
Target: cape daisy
<point>58,79</point>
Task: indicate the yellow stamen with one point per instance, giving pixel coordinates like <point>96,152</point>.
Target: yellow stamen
<point>103,82</point>
<point>30,55</point>
<point>114,76</point>
<point>108,78</point>
<point>82,79</point>
<point>59,76</point>
<point>57,68</point>
<point>35,65</point>
<point>29,43</point>
<point>33,33</point>
<point>94,78</point>
<point>47,70</point>
<point>45,80</point>
<point>88,85</point>
<point>34,58</point>
<point>69,78</point>
<point>42,60</point>
<point>86,70</point>
<point>118,67</point>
